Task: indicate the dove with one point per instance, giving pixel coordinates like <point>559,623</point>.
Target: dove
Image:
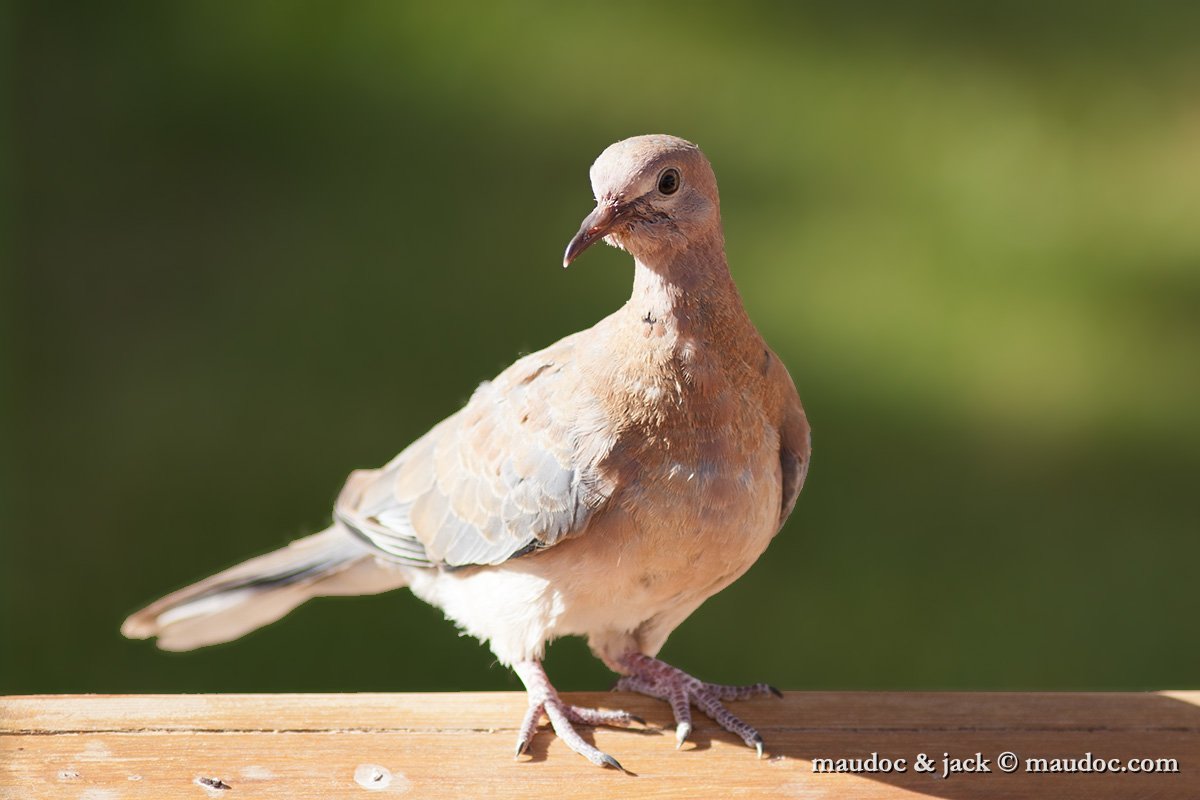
<point>603,487</point>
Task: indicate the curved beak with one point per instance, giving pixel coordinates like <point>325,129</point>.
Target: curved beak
<point>596,226</point>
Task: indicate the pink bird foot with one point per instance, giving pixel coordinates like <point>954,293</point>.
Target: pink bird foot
<point>543,699</point>
<point>655,678</point>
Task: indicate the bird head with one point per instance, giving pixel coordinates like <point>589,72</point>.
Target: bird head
<point>654,194</point>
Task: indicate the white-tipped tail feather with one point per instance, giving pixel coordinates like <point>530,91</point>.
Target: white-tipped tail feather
<point>259,591</point>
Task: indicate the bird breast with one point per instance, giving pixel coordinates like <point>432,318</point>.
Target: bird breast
<point>694,438</point>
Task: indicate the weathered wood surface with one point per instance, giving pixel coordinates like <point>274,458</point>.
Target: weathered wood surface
<point>460,746</point>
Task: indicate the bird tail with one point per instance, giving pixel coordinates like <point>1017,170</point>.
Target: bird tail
<point>259,591</point>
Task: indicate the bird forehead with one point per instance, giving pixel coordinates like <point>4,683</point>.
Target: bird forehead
<point>623,167</point>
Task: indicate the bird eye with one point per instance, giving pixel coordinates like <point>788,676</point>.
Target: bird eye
<point>668,182</point>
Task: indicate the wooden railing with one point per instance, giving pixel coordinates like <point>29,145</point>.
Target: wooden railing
<point>96,747</point>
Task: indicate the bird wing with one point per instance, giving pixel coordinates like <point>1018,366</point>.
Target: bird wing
<point>512,472</point>
<point>795,449</point>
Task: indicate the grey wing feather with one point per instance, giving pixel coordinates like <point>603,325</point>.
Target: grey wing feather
<point>503,477</point>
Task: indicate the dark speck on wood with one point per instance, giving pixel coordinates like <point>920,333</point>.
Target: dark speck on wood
<point>213,783</point>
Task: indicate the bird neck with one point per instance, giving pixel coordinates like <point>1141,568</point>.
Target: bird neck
<point>688,292</point>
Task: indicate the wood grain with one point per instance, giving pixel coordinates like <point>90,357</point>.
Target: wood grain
<point>460,745</point>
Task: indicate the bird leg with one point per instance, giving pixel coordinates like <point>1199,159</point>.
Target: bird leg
<point>543,699</point>
<point>655,678</point>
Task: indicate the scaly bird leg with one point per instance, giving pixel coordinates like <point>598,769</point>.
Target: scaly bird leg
<point>655,678</point>
<point>543,699</point>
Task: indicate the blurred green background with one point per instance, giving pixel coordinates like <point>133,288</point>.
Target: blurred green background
<point>250,247</point>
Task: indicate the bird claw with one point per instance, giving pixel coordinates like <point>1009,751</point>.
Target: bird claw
<point>596,716</point>
<point>543,699</point>
<point>612,762</point>
<point>561,718</point>
<point>655,678</point>
<point>756,741</point>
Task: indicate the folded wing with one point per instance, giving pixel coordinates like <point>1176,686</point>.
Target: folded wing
<point>513,472</point>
